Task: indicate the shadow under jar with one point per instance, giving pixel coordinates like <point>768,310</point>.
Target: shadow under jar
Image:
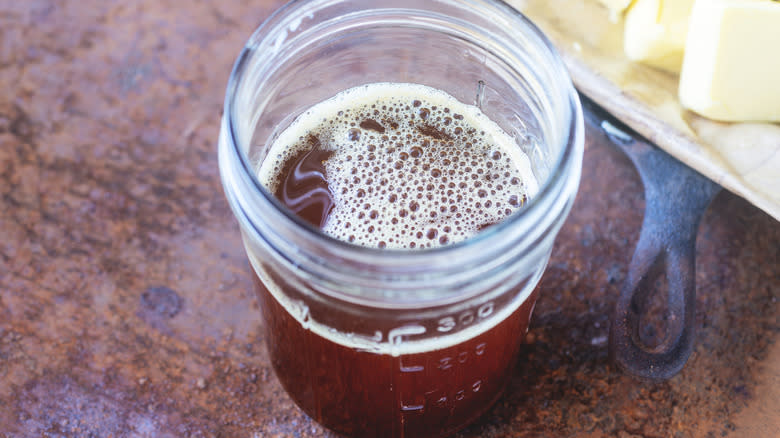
<point>394,342</point>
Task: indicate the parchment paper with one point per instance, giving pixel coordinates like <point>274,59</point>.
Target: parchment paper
<point>742,157</point>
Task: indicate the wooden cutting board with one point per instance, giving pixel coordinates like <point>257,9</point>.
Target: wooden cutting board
<point>742,157</point>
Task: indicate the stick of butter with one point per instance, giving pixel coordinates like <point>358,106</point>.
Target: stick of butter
<point>655,32</point>
<point>731,69</point>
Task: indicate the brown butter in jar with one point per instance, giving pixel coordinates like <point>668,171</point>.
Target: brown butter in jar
<point>398,342</point>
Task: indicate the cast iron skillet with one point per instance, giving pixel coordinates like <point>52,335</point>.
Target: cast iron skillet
<point>663,267</point>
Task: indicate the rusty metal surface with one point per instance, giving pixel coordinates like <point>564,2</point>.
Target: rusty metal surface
<point>125,300</point>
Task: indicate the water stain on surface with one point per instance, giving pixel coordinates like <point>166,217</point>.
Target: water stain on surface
<point>162,300</point>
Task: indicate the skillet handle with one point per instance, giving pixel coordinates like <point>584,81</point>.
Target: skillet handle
<point>676,197</point>
<point>654,261</point>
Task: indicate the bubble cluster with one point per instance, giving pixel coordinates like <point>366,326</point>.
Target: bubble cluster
<point>411,167</point>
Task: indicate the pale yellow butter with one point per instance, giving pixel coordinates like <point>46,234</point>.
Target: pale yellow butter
<point>731,69</point>
<point>616,8</point>
<point>655,32</point>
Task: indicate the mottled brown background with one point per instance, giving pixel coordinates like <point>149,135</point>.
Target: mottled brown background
<point>125,303</point>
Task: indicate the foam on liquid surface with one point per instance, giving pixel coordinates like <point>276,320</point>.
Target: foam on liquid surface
<point>410,167</point>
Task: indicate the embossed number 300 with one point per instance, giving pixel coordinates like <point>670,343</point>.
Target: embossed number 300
<point>468,317</point>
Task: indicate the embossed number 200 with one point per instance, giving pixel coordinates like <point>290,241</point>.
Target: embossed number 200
<point>447,362</point>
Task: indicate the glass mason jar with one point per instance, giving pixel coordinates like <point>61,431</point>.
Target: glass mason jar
<point>383,342</point>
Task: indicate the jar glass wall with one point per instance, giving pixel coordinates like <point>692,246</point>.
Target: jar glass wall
<point>374,342</point>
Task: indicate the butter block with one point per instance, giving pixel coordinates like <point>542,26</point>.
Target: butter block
<point>616,8</point>
<point>655,32</point>
<point>731,68</point>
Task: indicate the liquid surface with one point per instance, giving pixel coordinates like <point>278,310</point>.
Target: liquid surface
<point>398,166</point>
